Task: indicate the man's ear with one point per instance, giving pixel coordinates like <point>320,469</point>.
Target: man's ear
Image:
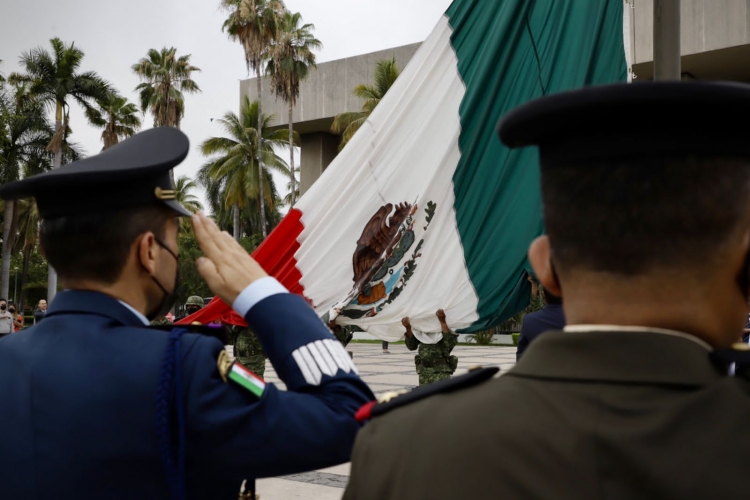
<point>145,247</point>
<point>540,257</point>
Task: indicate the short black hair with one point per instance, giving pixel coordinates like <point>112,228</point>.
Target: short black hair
<point>633,216</point>
<point>95,246</point>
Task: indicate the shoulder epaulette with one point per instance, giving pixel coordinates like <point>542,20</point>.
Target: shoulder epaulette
<point>218,331</point>
<point>392,400</point>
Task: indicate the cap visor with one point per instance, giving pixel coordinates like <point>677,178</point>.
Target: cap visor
<point>181,211</point>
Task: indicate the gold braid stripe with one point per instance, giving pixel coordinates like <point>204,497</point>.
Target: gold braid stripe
<point>164,194</point>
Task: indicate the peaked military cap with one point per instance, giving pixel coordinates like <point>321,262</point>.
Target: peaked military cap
<point>630,121</point>
<point>132,173</point>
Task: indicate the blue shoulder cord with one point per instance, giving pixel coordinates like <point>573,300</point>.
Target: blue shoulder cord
<point>169,389</point>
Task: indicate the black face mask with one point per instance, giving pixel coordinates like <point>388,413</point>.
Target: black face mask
<point>12,311</point>
<point>192,310</point>
<point>169,297</point>
<point>3,307</point>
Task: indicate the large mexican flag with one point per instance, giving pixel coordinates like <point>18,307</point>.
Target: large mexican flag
<point>425,209</point>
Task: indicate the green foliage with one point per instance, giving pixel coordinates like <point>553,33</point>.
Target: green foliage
<point>191,283</point>
<point>482,338</point>
<point>347,124</point>
<point>165,78</point>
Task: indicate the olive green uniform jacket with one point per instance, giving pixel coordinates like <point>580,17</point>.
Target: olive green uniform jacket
<point>588,415</point>
<point>434,361</point>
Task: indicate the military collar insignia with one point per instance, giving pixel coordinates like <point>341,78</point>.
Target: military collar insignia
<point>396,399</point>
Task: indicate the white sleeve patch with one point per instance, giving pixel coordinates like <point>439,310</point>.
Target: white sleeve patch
<point>332,366</point>
<point>307,366</point>
<point>336,354</point>
<point>322,357</point>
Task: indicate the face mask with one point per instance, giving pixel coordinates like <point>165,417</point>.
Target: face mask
<point>169,297</point>
<point>3,307</point>
<point>192,310</point>
<point>12,311</point>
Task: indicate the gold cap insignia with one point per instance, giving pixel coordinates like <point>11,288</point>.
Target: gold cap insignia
<point>741,346</point>
<point>164,194</point>
<point>388,396</point>
<point>475,368</point>
<point>224,364</point>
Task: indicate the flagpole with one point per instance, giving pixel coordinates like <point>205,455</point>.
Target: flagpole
<point>667,65</point>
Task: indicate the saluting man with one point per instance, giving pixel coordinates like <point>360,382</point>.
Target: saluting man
<point>95,404</point>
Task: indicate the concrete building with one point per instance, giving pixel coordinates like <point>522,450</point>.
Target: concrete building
<point>326,93</point>
<point>715,45</point>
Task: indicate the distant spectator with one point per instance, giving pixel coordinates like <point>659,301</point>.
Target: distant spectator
<point>40,311</point>
<point>549,318</point>
<point>17,318</point>
<point>6,319</point>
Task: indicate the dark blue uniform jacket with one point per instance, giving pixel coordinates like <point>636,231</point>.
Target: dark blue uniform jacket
<point>549,318</point>
<point>78,398</point>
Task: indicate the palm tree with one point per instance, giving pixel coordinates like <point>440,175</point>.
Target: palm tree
<point>24,135</point>
<point>232,171</point>
<point>28,237</point>
<point>254,24</point>
<point>346,124</point>
<point>54,80</point>
<point>293,190</point>
<point>291,59</point>
<point>165,78</point>
<point>117,116</point>
<point>183,195</point>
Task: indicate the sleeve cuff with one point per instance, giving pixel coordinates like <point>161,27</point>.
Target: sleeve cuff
<point>255,292</point>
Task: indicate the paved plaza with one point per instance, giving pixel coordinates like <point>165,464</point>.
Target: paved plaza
<point>383,372</point>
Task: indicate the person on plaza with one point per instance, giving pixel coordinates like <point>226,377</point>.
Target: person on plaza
<point>193,304</point>
<point>6,319</point>
<point>433,361</point>
<point>384,345</point>
<point>96,404</point>
<point>549,318</point>
<point>18,320</point>
<point>344,334</point>
<point>162,321</point>
<point>40,311</point>
<point>248,350</point>
<point>645,192</point>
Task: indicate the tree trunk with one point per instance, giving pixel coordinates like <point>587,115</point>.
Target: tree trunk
<point>7,245</point>
<point>291,152</point>
<point>24,276</point>
<point>236,221</point>
<point>51,274</point>
<point>259,153</point>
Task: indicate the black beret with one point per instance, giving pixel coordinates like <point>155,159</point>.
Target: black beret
<point>629,121</point>
<point>135,172</point>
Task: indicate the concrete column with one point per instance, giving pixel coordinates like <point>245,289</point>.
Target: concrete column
<point>317,152</point>
<point>667,65</point>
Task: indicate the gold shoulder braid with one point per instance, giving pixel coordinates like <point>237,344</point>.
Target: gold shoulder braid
<point>224,364</point>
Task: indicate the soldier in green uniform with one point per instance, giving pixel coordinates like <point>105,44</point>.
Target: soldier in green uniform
<point>344,334</point>
<point>161,321</point>
<point>434,361</point>
<point>193,304</point>
<point>248,351</point>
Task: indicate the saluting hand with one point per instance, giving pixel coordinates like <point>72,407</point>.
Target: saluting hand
<point>226,266</point>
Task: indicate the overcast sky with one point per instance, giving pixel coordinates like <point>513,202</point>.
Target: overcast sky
<point>115,34</point>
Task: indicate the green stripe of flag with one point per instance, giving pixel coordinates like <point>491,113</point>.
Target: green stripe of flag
<point>510,52</point>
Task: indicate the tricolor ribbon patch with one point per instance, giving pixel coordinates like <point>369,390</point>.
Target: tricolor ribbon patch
<point>247,379</point>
